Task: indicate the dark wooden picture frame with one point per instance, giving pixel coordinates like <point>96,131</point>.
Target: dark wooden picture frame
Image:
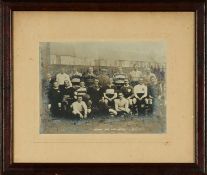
<point>7,164</point>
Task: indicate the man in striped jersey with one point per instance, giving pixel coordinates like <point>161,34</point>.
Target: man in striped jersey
<point>89,77</point>
<point>119,78</point>
<point>76,78</point>
<point>83,91</point>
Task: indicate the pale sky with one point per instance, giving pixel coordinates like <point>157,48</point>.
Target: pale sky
<point>140,51</point>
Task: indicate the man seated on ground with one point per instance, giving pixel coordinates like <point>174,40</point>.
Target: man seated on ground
<point>140,93</point>
<point>79,108</point>
<point>121,105</point>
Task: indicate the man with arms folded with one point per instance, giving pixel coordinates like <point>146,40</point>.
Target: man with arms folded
<point>110,93</point>
<point>67,93</point>
<point>128,92</point>
<point>140,93</point>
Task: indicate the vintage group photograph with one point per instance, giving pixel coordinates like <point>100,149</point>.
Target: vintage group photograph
<point>102,87</point>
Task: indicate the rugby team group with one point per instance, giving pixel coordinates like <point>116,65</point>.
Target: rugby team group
<point>81,95</point>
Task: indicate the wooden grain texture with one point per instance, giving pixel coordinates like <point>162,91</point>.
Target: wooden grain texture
<point>1,56</point>
<point>8,167</point>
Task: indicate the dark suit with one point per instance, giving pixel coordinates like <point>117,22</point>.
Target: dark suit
<point>55,97</point>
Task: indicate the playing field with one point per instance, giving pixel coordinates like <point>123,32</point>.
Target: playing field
<point>104,124</point>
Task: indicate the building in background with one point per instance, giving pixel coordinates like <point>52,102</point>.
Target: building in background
<point>100,55</point>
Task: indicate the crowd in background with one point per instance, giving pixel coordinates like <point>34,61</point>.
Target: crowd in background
<point>82,94</point>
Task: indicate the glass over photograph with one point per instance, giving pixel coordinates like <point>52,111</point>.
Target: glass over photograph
<point>102,87</point>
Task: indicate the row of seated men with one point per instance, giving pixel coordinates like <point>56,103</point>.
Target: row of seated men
<point>110,99</point>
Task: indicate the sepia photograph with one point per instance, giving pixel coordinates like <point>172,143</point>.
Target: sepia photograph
<point>102,87</point>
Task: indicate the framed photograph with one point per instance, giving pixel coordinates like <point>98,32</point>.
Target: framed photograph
<point>103,87</point>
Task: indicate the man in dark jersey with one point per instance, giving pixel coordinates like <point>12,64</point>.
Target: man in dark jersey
<point>109,95</point>
<point>162,74</point>
<point>89,77</point>
<point>67,93</point>
<point>127,90</point>
<point>55,100</point>
<point>47,84</point>
<point>154,91</point>
<point>128,93</point>
<point>96,93</point>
